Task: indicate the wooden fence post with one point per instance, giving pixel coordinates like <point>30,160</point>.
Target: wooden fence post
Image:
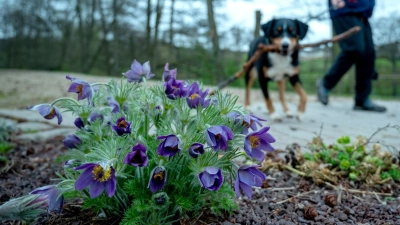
<point>258,24</point>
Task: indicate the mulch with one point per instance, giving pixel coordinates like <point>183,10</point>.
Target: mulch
<point>285,198</point>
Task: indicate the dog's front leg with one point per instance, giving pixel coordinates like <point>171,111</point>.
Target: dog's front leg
<point>271,110</point>
<point>303,99</point>
<point>282,88</point>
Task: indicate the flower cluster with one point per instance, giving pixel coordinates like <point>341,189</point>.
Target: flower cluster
<point>168,146</point>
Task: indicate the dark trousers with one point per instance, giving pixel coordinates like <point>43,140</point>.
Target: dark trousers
<point>357,49</point>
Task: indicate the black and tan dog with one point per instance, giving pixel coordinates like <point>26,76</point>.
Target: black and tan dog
<point>275,66</point>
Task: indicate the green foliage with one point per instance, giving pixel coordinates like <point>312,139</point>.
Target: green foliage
<point>5,145</point>
<point>394,172</point>
<point>150,116</point>
<point>22,208</point>
<point>353,160</point>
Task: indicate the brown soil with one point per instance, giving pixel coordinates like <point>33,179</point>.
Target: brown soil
<point>35,164</point>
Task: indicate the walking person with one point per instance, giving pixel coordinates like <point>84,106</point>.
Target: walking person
<point>356,50</point>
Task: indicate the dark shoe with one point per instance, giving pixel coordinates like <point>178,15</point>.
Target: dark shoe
<point>370,106</point>
<point>322,92</point>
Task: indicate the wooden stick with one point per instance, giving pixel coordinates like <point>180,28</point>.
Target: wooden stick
<point>273,48</point>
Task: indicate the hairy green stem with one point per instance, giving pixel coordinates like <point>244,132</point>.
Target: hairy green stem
<point>65,99</point>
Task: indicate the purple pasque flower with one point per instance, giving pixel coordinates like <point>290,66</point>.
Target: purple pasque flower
<point>48,111</point>
<point>196,149</point>
<point>113,104</point>
<point>158,179</point>
<point>79,123</point>
<point>122,126</point>
<point>169,147</point>
<point>93,116</point>
<point>251,121</point>
<point>137,72</point>
<point>175,88</point>
<point>50,196</point>
<point>137,157</point>
<point>71,163</point>
<point>211,178</point>
<point>257,142</point>
<point>98,178</point>
<point>248,176</point>
<point>234,116</point>
<point>168,74</point>
<point>197,97</point>
<point>81,87</point>
<point>72,141</point>
<point>248,121</point>
<point>218,136</point>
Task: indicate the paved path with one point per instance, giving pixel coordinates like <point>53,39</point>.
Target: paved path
<point>333,121</point>
<point>336,119</point>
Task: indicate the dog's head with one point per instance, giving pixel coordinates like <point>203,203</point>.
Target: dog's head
<point>285,33</point>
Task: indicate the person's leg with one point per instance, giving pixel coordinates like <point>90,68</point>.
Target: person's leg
<point>342,64</point>
<point>345,59</point>
<point>364,66</point>
<point>365,73</point>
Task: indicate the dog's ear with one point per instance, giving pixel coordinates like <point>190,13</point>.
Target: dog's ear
<point>267,27</point>
<point>302,29</point>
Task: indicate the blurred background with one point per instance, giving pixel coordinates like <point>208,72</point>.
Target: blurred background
<point>206,40</point>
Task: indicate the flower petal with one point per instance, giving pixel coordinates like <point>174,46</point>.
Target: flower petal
<point>84,180</point>
<point>247,190</point>
<point>96,189</point>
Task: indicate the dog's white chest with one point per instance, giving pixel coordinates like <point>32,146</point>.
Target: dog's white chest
<point>281,65</point>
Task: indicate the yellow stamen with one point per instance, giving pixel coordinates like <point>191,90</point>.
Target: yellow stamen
<point>100,174</point>
<point>159,176</point>
<point>122,124</point>
<point>79,89</point>
<point>247,124</point>
<point>51,114</point>
<point>194,96</point>
<point>254,141</point>
<point>175,148</point>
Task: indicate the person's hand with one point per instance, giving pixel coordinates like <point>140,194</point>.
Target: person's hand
<point>337,4</point>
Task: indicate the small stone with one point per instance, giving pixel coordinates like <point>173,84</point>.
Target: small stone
<point>330,221</point>
<point>324,208</point>
<point>341,216</point>
<point>320,218</point>
<point>227,223</point>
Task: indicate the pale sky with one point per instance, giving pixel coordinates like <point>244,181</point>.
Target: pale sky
<point>243,13</point>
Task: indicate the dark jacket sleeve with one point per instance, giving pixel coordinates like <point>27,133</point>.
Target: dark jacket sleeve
<point>360,7</point>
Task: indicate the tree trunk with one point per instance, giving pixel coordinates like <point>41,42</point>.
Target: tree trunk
<point>81,36</point>
<point>159,7</point>
<point>116,10</point>
<point>171,27</point>
<point>148,27</point>
<point>215,40</point>
<point>105,43</point>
